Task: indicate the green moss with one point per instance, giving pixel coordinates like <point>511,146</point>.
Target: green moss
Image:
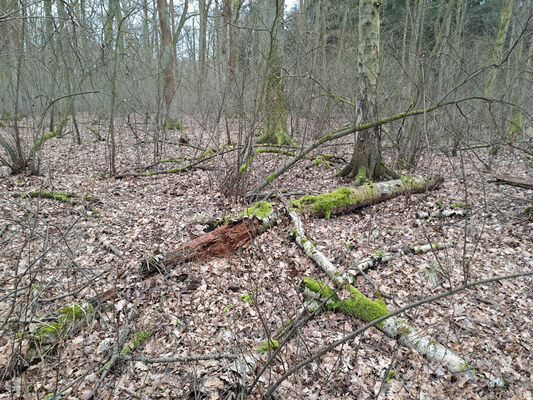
<point>460,204</point>
<point>74,313</point>
<point>136,341</point>
<point>323,204</point>
<point>270,178</point>
<point>267,346</point>
<point>436,246</point>
<point>516,125</point>
<point>361,175</point>
<point>87,198</point>
<point>208,152</point>
<point>246,165</point>
<point>404,330</point>
<point>319,160</point>
<point>357,305</point>
<point>249,298</point>
<point>465,367</point>
<point>274,150</point>
<point>378,254</point>
<point>529,212</point>
<point>261,210</point>
<point>228,307</point>
<point>440,203</point>
<point>174,125</point>
<point>390,376</point>
<point>66,318</point>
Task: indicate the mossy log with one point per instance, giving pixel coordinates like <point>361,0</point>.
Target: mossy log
<point>32,346</point>
<point>234,232</point>
<point>360,306</point>
<point>346,199</point>
<point>71,198</point>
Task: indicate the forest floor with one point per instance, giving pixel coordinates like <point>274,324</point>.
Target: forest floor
<point>229,305</point>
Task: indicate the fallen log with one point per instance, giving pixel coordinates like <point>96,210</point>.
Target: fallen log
<point>345,199</point>
<point>512,181</point>
<point>234,232</point>
<point>60,196</point>
<point>360,306</point>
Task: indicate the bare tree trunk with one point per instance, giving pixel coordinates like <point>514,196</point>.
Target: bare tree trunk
<point>275,127</point>
<point>168,58</point>
<point>202,43</point>
<point>20,161</point>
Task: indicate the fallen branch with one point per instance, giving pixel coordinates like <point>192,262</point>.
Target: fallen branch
<point>360,306</point>
<point>380,257</point>
<point>60,196</point>
<point>377,321</point>
<point>512,181</point>
<point>115,356</point>
<point>170,360</point>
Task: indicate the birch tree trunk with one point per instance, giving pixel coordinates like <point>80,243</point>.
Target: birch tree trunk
<point>367,161</point>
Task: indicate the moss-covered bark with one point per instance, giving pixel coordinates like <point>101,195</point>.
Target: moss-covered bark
<point>357,305</point>
<point>346,199</point>
<point>60,196</point>
<point>275,128</point>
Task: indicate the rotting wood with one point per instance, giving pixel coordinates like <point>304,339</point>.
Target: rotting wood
<point>235,233</point>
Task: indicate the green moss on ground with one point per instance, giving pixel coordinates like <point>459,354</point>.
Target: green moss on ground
<point>174,125</point>
<point>67,317</point>
<point>60,196</point>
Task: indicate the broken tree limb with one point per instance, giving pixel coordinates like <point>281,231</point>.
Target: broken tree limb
<point>362,307</point>
<point>291,370</point>
<point>345,199</point>
<point>236,232</point>
<point>512,181</point>
<point>380,257</point>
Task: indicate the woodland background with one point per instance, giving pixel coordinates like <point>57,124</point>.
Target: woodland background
<point>129,129</point>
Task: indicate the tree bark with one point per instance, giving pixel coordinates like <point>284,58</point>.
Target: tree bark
<point>168,57</point>
<point>345,199</point>
<point>235,232</point>
<point>367,160</point>
<point>275,126</point>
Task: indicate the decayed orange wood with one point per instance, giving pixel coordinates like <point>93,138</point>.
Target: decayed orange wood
<point>221,242</point>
